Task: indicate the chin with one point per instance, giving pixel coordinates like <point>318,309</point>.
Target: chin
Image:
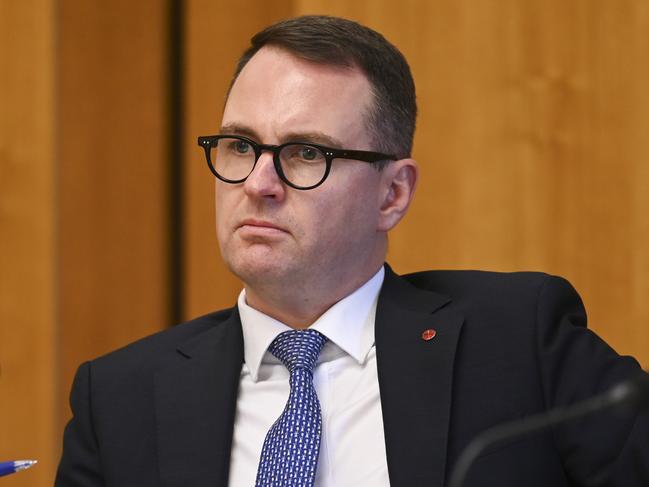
<point>258,270</point>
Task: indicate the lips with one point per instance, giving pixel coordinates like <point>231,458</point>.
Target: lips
<point>260,226</point>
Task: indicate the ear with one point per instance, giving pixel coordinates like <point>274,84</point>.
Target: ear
<point>398,182</point>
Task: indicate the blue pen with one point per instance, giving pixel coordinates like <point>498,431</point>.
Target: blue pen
<point>7,468</point>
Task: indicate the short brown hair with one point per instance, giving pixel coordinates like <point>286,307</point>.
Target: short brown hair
<point>340,42</point>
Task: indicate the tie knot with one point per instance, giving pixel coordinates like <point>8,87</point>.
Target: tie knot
<point>298,348</point>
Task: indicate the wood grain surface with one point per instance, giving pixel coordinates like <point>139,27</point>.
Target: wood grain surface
<point>28,326</point>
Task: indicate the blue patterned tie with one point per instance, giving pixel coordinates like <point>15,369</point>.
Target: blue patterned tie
<point>289,456</point>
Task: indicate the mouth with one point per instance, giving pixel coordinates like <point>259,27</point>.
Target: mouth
<point>253,225</point>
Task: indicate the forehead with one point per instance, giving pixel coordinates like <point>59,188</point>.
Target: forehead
<point>277,93</point>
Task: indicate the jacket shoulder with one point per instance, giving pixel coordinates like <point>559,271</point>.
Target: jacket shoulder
<point>510,293</point>
<point>457,283</point>
<point>454,278</point>
<point>145,351</point>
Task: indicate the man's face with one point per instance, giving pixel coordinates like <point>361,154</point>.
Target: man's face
<point>272,234</point>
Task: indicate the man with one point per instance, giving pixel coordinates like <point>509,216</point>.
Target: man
<point>313,169</point>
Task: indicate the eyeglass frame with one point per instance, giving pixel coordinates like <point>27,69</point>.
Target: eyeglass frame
<point>330,153</point>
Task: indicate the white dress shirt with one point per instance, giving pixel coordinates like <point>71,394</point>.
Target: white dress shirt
<point>352,449</point>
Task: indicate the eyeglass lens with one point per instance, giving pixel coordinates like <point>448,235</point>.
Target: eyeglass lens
<point>234,159</point>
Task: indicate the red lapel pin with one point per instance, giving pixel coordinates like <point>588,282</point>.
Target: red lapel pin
<point>428,334</point>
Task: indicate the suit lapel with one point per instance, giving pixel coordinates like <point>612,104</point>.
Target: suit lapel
<point>415,380</point>
<point>195,396</point>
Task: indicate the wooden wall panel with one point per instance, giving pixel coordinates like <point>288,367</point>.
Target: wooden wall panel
<point>217,32</point>
<point>28,405</point>
<point>113,176</point>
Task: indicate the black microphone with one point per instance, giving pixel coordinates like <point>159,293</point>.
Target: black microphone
<point>631,395</point>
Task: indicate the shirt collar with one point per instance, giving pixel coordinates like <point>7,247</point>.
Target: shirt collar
<point>349,324</point>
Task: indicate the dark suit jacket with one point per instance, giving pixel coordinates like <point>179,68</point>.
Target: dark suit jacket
<point>161,411</point>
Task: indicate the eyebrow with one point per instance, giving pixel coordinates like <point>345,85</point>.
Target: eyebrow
<point>306,137</point>
<point>235,129</point>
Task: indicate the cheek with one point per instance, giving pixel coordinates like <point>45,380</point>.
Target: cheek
<point>223,210</point>
<point>346,217</point>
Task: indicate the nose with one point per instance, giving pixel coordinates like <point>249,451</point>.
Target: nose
<point>263,181</point>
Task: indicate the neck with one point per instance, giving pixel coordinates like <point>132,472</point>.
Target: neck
<point>301,310</point>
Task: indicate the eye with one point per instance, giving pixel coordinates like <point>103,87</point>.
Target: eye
<point>241,147</point>
<point>308,153</point>
<point>302,154</point>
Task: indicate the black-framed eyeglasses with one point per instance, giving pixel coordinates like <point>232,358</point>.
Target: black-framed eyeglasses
<point>232,158</point>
